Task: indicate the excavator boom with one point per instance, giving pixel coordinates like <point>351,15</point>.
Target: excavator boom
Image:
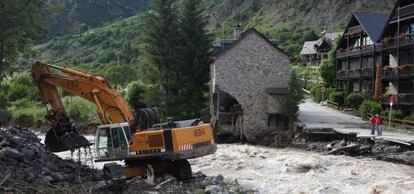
<point>110,105</point>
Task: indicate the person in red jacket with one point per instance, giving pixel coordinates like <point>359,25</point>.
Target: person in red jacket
<point>371,122</point>
<point>378,124</point>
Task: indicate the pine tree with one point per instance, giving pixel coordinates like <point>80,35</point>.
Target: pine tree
<point>195,53</point>
<point>161,46</point>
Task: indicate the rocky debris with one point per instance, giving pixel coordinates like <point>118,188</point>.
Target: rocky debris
<point>28,167</point>
<point>378,149</point>
<point>200,183</point>
<point>212,189</point>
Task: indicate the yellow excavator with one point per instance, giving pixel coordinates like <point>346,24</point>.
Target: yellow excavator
<point>134,137</point>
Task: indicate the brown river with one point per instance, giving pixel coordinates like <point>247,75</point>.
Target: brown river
<point>269,170</point>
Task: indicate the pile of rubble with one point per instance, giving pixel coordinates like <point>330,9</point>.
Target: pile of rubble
<point>27,167</point>
<point>378,149</point>
<point>200,183</point>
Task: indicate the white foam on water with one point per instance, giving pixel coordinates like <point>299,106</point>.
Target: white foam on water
<point>269,170</point>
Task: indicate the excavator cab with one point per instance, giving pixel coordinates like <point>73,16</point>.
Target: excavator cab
<point>113,141</point>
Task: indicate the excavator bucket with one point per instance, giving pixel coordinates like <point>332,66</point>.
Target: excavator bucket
<point>58,140</point>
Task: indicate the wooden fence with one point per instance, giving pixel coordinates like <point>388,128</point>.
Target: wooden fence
<point>399,122</point>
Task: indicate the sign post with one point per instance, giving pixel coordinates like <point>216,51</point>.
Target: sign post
<point>389,121</point>
<point>392,100</point>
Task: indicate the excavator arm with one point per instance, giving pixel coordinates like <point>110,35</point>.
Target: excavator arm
<point>110,105</point>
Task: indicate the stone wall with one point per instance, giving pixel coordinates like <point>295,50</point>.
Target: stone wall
<point>245,71</point>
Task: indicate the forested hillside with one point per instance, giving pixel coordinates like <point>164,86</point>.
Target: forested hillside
<point>75,16</point>
<point>290,22</point>
<point>112,43</point>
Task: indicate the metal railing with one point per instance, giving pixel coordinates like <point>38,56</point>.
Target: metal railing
<point>404,11</point>
<point>354,72</point>
<point>355,51</point>
<point>402,40</point>
<point>402,70</point>
<point>367,71</point>
<point>342,74</point>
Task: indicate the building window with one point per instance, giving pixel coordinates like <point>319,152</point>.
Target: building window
<point>368,41</point>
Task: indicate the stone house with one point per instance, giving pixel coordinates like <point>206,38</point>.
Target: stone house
<point>249,84</point>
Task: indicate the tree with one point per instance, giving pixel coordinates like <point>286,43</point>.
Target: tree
<point>327,69</point>
<point>349,88</point>
<point>194,55</point>
<point>294,97</point>
<point>120,75</point>
<point>19,26</point>
<point>135,95</point>
<point>161,47</point>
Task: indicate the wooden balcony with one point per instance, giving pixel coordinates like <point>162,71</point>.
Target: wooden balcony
<point>342,74</point>
<point>367,72</point>
<point>401,71</point>
<point>406,99</point>
<point>354,73</point>
<point>404,11</point>
<point>395,42</point>
<point>354,30</point>
<point>355,51</point>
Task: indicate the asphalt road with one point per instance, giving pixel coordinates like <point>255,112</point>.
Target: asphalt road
<point>314,115</point>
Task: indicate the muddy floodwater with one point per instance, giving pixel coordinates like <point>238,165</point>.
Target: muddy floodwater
<point>269,170</point>
<point>290,170</point>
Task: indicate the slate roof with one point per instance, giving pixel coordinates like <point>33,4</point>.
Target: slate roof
<point>226,43</point>
<point>372,23</point>
<point>309,47</point>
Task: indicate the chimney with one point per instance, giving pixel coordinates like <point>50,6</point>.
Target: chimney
<point>237,32</point>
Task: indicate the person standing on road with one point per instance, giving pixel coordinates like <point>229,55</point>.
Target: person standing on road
<point>371,122</point>
<point>378,124</point>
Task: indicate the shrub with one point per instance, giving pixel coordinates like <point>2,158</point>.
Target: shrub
<point>409,118</point>
<point>396,113</point>
<point>355,99</point>
<point>26,112</point>
<point>337,97</point>
<point>24,119</point>
<point>4,116</point>
<point>78,110</point>
<point>328,92</point>
<point>21,86</point>
<point>367,107</point>
<point>3,101</point>
<point>135,94</point>
<point>316,93</point>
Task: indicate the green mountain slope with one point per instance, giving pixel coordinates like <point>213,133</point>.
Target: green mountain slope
<point>76,16</point>
<point>112,43</point>
<point>290,22</point>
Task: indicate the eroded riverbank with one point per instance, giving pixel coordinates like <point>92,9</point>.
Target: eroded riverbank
<point>290,170</point>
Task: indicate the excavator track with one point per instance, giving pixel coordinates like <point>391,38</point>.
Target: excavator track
<point>182,170</point>
<point>114,176</point>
